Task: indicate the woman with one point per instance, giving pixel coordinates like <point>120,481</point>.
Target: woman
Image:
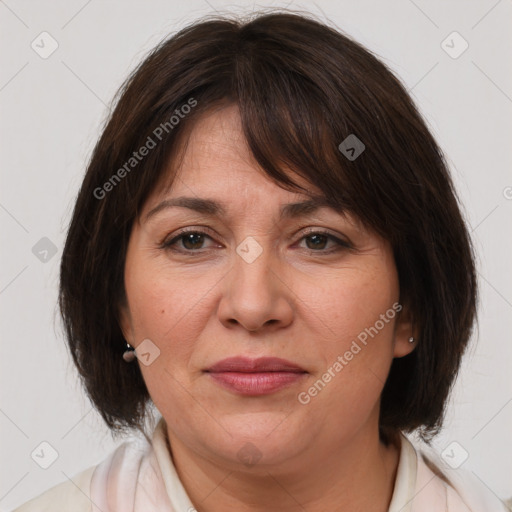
<point>268,248</point>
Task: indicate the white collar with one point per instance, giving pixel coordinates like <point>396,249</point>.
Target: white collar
<point>141,476</point>
<point>402,499</point>
<point>405,481</point>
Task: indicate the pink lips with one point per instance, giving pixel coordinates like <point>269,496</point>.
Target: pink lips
<point>255,376</point>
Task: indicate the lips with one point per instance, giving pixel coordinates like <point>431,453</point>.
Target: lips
<point>255,377</point>
<point>248,365</point>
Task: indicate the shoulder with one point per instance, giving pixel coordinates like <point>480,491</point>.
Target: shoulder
<point>460,489</point>
<point>76,494</point>
<point>137,475</point>
<point>70,495</point>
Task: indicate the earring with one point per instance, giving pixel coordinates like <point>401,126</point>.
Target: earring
<point>411,340</point>
<point>129,353</point>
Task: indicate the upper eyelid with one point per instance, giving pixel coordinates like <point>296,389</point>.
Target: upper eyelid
<point>210,232</point>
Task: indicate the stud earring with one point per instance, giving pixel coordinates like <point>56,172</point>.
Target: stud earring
<point>411,340</point>
<point>129,353</point>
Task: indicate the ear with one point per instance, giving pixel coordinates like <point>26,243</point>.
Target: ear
<point>404,329</point>
<point>124,320</point>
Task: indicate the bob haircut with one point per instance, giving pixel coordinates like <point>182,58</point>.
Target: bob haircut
<point>301,88</point>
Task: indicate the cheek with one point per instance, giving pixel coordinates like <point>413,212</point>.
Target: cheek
<point>357,314</point>
<point>353,301</point>
<point>166,312</point>
<point>163,303</point>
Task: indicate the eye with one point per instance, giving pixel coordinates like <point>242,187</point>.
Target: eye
<point>317,240</point>
<point>190,241</point>
<point>193,240</point>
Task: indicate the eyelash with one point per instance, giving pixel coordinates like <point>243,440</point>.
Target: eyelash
<point>169,245</point>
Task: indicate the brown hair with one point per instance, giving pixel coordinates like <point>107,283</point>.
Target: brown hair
<point>302,88</point>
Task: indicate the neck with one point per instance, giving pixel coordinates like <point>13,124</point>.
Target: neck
<point>359,475</point>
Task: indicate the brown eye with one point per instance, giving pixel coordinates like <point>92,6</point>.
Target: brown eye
<point>192,240</point>
<point>317,241</point>
<point>187,241</point>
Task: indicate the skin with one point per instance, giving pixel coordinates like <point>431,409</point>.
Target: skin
<point>296,301</point>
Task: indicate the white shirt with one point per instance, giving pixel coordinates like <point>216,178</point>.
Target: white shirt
<point>140,476</point>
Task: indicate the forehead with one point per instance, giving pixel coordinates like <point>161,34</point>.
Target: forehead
<point>215,160</point>
<point>215,174</point>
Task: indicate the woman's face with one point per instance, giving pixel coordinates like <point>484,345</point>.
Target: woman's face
<point>254,283</point>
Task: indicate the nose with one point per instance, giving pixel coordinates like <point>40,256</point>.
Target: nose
<point>256,294</point>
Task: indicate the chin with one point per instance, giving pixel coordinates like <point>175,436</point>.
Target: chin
<point>259,438</point>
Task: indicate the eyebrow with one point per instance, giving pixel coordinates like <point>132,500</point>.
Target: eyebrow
<point>215,208</point>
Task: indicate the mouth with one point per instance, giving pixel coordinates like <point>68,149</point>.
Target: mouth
<point>255,377</point>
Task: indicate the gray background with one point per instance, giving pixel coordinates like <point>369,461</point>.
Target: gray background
<point>51,114</point>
